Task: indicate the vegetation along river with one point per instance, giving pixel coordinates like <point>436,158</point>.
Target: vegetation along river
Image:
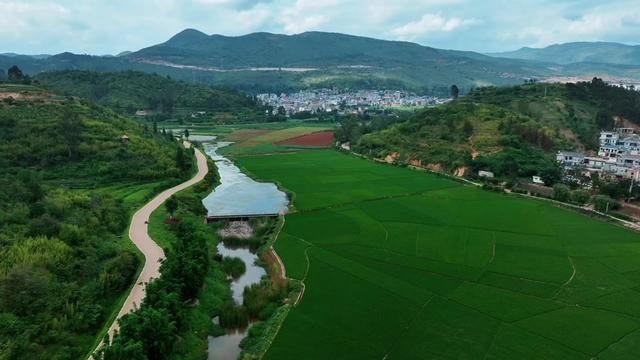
<point>238,194</point>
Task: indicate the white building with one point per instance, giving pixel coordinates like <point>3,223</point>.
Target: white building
<point>570,159</point>
<point>622,141</point>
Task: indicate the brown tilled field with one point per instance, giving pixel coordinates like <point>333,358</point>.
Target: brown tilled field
<point>242,135</point>
<point>320,138</point>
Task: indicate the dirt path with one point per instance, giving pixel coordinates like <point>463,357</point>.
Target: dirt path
<point>153,253</point>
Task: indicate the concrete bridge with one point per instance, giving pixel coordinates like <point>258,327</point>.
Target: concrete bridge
<point>242,217</point>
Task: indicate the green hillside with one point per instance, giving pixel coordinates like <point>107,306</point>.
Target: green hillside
<point>576,52</point>
<point>129,91</point>
<point>68,186</point>
<point>513,131</point>
<point>261,62</point>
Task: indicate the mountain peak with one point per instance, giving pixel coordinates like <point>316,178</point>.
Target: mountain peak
<point>187,36</point>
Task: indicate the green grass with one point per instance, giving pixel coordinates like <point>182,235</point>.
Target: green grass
<point>404,264</point>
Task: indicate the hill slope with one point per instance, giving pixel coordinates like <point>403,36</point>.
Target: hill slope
<point>511,131</point>
<point>67,188</point>
<point>129,91</point>
<point>262,62</point>
<point>579,52</point>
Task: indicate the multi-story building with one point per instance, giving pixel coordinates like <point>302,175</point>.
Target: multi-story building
<point>618,155</point>
<point>621,141</point>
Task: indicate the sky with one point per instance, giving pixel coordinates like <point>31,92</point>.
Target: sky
<point>109,27</point>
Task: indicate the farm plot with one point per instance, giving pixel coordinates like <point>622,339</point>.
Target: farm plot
<point>407,265</point>
<point>319,139</point>
<point>261,141</point>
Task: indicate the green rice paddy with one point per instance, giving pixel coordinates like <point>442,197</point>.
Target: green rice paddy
<point>401,264</point>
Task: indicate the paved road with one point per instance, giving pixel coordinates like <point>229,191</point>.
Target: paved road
<point>153,253</point>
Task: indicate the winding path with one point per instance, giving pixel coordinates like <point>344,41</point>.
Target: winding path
<point>153,254</point>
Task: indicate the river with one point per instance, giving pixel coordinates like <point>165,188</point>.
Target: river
<point>238,194</point>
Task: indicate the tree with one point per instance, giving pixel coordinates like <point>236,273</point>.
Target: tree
<point>605,120</point>
<point>551,174</point>
<point>15,74</point>
<point>171,205</point>
<point>70,129</point>
<point>603,203</point>
<point>153,328</point>
<point>467,128</point>
<point>455,91</point>
<point>181,160</point>
<point>561,192</point>
<point>25,290</point>
<point>580,197</point>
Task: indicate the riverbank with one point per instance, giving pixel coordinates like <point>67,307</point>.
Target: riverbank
<point>152,253</point>
<point>192,341</point>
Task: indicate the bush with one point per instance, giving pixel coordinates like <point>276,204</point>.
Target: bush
<point>603,203</point>
<point>234,316</point>
<point>580,197</point>
<point>561,192</point>
<point>233,267</point>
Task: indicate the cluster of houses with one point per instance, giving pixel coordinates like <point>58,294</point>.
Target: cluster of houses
<point>618,156</point>
<point>327,100</point>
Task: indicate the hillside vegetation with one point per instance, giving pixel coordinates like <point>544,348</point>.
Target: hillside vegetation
<point>67,188</point>
<point>129,91</point>
<point>512,131</point>
<point>261,62</point>
<point>575,52</point>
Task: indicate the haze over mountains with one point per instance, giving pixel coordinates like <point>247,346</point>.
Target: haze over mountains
<point>271,62</point>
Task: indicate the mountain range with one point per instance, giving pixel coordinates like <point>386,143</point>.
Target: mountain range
<point>579,52</point>
<point>260,62</point>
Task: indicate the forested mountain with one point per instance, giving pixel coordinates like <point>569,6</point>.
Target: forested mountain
<point>512,131</point>
<point>579,52</point>
<point>262,62</point>
<point>129,91</point>
<point>68,185</point>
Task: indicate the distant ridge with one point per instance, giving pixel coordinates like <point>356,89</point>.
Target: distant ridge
<point>579,52</point>
<point>266,62</point>
<point>37,56</point>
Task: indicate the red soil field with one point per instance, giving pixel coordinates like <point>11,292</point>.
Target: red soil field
<point>320,138</point>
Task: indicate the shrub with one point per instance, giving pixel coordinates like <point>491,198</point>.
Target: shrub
<point>561,192</point>
<point>580,197</point>
<point>233,266</point>
<point>603,203</point>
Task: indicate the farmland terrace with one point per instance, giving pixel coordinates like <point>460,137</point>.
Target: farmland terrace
<point>404,264</point>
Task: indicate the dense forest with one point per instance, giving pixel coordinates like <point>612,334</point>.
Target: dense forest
<point>511,131</point>
<point>159,96</point>
<point>68,184</point>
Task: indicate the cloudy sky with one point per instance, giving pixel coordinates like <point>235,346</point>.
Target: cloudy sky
<point>112,26</point>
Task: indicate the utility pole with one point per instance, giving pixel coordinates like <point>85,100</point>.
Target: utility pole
<point>634,178</point>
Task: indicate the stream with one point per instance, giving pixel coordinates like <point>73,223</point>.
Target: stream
<point>238,194</point>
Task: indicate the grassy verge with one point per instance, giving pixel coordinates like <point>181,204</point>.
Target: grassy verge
<point>192,342</point>
<point>133,196</point>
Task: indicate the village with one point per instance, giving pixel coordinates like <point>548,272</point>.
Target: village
<point>328,100</point>
<point>618,157</point>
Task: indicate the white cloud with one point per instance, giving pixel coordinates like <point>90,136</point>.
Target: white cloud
<point>20,18</point>
<point>252,19</point>
<point>304,24</point>
<point>431,23</point>
<point>99,26</point>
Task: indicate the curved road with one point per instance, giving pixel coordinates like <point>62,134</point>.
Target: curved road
<point>153,253</point>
